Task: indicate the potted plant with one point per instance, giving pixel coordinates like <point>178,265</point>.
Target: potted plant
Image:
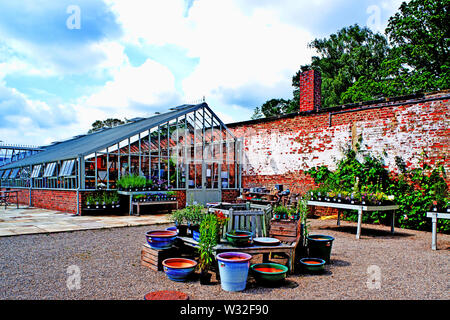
<point>179,218</point>
<point>302,209</point>
<point>89,201</point>
<point>207,241</point>
<point>194,215</point>
<point>115,200</point>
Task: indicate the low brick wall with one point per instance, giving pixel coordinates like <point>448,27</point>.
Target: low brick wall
<point>230,195</point>
<point>61,200</point>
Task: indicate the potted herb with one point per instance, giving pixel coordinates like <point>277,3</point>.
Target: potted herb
<point>207,241</point>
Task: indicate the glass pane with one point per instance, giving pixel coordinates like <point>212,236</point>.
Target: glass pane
<point>50,170</point>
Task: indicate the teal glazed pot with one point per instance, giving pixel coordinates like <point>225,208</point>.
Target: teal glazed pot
<point>239,238</point>
<point>312,264</point>
<point>269,273</point>
<point>233,270</point>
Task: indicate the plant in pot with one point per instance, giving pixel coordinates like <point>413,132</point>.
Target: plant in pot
<point>89,201</point>
<point>303,210</point>
<point>194,217</point>
<point>115,200</point>
<point>179,218</point>
<point>207,241</point>
<point>280,212</point>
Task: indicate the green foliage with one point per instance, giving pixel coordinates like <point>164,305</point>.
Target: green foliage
<point>108,123</point>
<point>302,209</point>
<point>208,239</point>
<point>178,216</point>
<point>194,213</point>
<point>133,181</point>
<point>415,190</point>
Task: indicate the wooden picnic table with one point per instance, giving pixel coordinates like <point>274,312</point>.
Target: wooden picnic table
<point>5,197</point>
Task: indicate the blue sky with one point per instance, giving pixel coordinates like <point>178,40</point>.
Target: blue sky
<point>61,69</point>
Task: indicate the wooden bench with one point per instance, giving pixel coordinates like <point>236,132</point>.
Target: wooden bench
<point>139,204</point>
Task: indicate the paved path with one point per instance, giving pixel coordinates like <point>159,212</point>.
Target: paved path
<point>28,220</point>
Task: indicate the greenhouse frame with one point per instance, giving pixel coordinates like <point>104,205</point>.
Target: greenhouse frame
<point>187,148</point>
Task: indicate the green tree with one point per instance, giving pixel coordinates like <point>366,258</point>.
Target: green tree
<point>274,107</point>
<point>108,123</point>
<point>343,58</point>
<point>420,35</point>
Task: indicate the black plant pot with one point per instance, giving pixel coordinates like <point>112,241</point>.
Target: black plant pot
<point>182,229</point>
<point>205,277</point>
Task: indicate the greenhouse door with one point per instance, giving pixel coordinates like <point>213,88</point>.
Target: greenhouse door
<point>210,190</point>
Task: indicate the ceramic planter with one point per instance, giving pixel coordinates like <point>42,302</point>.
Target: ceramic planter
<point>269,273</point>
<point>205,277</point>
<point>319,246</point>
<point>182,229</point>
<point>312,264</point>
<point>233,270</point>
<point>179,269</point>
<point>161,239</point>
<point>239,238</point>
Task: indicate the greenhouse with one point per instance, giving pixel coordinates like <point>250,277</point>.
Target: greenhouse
<point>187,148</point>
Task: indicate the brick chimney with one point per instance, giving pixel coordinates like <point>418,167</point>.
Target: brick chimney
<point>310,90</point>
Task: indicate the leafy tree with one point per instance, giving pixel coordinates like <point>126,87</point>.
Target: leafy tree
<point>343,58</point>
<point>357,64</point>
<point>276,107</point>
<point>108,123</point>
<point>420,35</point>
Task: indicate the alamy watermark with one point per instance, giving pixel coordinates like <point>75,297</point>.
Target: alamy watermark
<point>374,279</point>
<point>74,19</point>
<point>73,281</point>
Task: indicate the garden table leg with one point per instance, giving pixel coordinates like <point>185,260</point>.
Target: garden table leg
<point>358,230</point>
<point>131,205</point>
<point>434,233</point>
<point>393,221</point>
<point>339,217</point>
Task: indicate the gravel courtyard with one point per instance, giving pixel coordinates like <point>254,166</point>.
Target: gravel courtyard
<point>36,267</point>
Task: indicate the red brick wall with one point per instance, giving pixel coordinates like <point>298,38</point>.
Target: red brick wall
<point>279,150</point>
<point>230,195</point>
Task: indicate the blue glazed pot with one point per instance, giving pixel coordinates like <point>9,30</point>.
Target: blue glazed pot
<point>179,269</point>
<point>233,269</point>
<point>161,239</point>
<point>196,235</point>
<point>172,229</point>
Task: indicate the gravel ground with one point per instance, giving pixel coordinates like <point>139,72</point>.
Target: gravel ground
<point>36,267</point>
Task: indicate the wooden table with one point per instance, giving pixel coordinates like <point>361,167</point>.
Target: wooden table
<point>434,216</point>
<point>224,246</point>
<point>138,204</point>
<point>6,195</point>
<point>360,208</point>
